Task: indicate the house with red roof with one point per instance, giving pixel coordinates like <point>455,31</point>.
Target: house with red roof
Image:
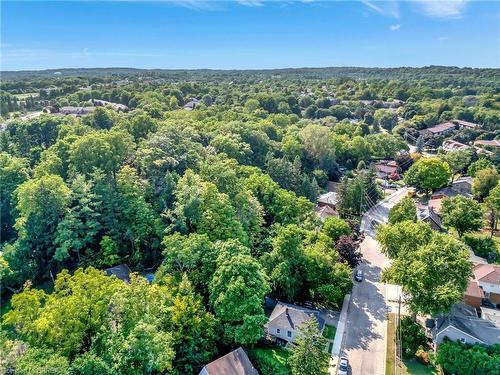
<point>487,277</point>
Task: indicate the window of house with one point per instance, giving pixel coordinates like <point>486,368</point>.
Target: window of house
<point>289,333</point>
<point>278,330</point>
<point>463,340</point>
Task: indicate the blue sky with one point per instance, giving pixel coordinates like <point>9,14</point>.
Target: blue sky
<point>249,34</point>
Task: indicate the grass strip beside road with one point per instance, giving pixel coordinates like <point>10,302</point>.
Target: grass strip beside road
<point>329,332</point>
<point>390,361</point>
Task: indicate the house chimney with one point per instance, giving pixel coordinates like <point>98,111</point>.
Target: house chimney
<point>286,310</point>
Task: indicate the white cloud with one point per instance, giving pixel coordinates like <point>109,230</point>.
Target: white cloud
<point>251,3</point>
<point>195,4</point>
<point>394,27</point>
<point>385,8</point>
<point>442,8</point>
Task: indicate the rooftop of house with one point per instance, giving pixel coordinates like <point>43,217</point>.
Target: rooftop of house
<point>473,290</point>
<point>191,104</point>
<point>425,213</point>
<point>386,168</point>
<point>447,191</point>
<point>488,273</point>
<point>464,318</point>
<point>463,179</point>
<point>70,110</point>
<point>233,363</point>
<point>466,124</point>
<point>445,126</point>
<point>122,272</point>
<point>116,106</point>
<point>329,198</point>
<point>435,204</point>
<point>290,317</point>
<point>325,211</point>
<point>494,142</point>
<point>451,144</point>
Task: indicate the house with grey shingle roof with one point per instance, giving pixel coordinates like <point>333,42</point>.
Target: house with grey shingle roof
<point>462,324</point>
<point>286,319</point>
<point>234,363</point>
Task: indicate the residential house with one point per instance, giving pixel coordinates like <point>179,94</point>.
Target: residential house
<point>435,204</point>
<point>466,124</point>
<point>116,106</point>
<point>427,215</point>
<point>121,272</point>
<point>463,186</point>
<point>76,111</point>
<point>329,199</point>
<point>286,319</point>
<point>233,363</point>
<point>474,295</point>
<point>387,169</point>
<point>325,212</point>
<point>462,324</point>
<point>491,314</point>
<point>441,129</point>
<point>493,143</point>
<point>191,104</point>
<point>450,145</point>
<point>487,277</point>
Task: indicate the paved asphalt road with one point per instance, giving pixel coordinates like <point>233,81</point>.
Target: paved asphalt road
<point>365,336</point>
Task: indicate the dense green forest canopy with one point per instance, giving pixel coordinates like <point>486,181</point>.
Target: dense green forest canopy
<point>209,179</point>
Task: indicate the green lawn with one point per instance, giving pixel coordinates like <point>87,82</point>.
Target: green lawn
<point>413,367</point>
<point>270,360</point>
<point>390,360</point>
<point>410,367</point>
<point>329,332</point>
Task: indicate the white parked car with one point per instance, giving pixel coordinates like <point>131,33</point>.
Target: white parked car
<point>343,366</point>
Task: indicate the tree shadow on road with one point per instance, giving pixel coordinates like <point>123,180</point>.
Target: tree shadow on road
<point>367,305</point>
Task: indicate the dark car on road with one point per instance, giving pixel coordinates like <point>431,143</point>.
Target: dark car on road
<point>359,276</point>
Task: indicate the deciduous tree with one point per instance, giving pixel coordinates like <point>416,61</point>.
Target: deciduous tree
<point>462,214</point>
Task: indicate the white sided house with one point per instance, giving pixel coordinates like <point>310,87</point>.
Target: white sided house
<point>286,319</point>
<point>463,325</point>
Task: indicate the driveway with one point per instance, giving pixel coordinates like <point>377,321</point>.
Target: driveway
<point>366,329</point>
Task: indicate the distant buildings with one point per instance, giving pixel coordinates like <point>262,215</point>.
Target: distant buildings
<point>444,128</point>
<point>493,143</point>
<point>466,124</point>
<point>450,145</point>
<point>449,126</point>
<point>233,363</point>
<point>75,111</point>
<point>116,106</point>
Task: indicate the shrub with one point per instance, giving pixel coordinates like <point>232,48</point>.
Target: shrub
<point>412,337</point>
<point>422,356</point>
<point>483,246</point>
<point>465,359</point>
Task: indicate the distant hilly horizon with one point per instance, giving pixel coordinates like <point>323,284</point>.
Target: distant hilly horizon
<point>308,72</point>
